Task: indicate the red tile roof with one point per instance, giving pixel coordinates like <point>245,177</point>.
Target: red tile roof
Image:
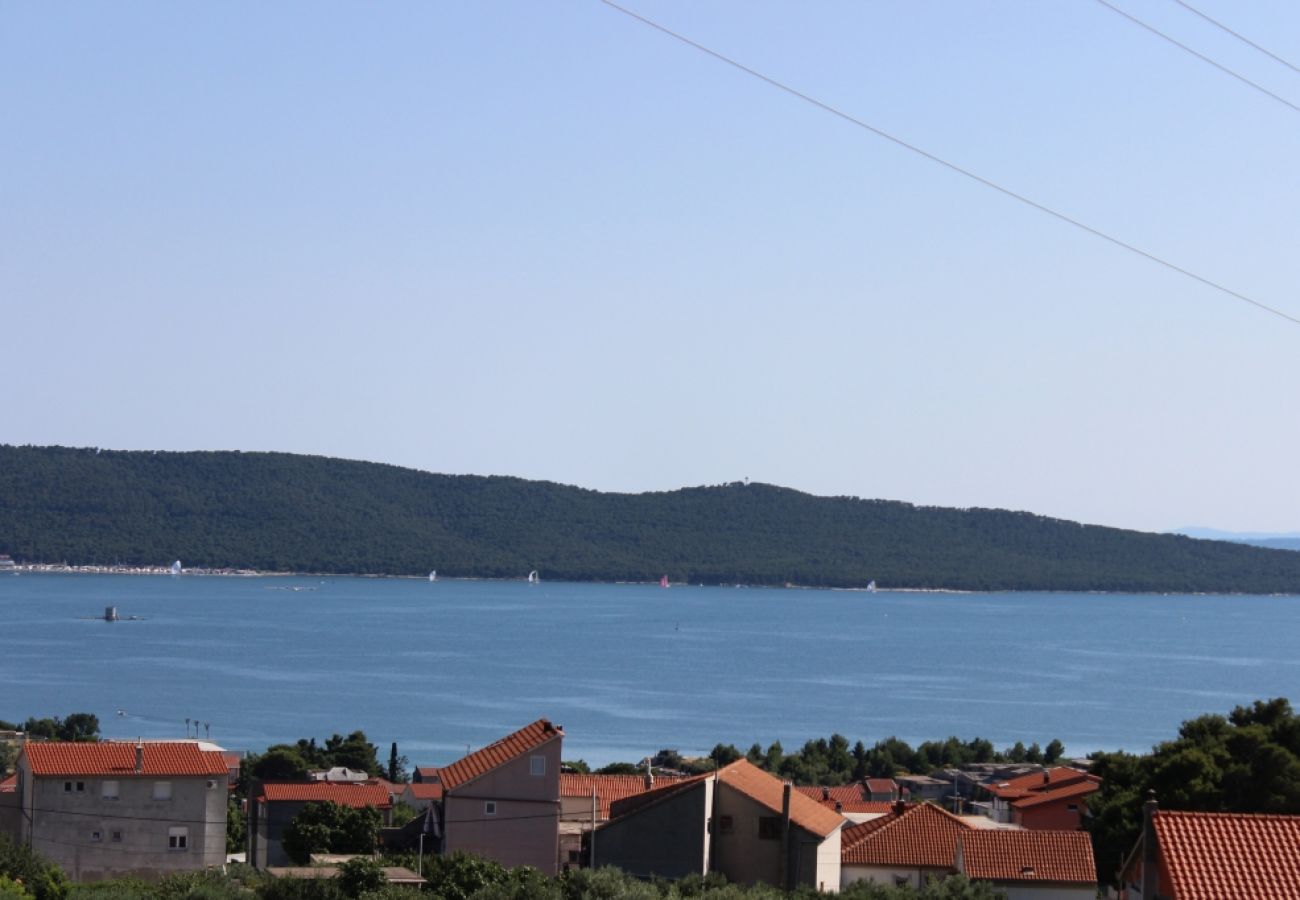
<point>1005,855</point>
<point>611,788</point>
<point>1034,782</point>
<point>9,785</point>
<point>850,798</point>
<point>423,790</point>
<point>881,785</point>
<point>767,790</point>
<point>1226,856</point>
<point>1065,792</point>
<point>921,836</point>
<point>117,758</point>
<point>496,754</point>
<point>340,792</point>
<point>427,773</point>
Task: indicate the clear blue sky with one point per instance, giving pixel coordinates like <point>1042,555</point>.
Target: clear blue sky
<point>540,239</point>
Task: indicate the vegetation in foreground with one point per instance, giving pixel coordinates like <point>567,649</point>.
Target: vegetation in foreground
<point>281,512</point>
<point>25,876</point>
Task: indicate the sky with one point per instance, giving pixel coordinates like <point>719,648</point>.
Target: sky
<point>545,240</point>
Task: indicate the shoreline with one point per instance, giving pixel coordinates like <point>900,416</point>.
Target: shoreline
<point>199,571</point>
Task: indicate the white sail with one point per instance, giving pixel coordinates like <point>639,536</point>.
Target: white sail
<point>433,576</point>
<point>176,567</point>
<point>532,577</point>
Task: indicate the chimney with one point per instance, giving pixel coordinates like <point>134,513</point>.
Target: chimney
<point>1047,776</point>
<point>899,806</point>
<point>826,793</point>
<point>839,807</point>
<point>1150,861</point>
<point>139,756</point>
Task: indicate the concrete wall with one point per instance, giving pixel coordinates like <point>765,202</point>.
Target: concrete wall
<point>668,838</point>
<point>93,837</point>
<point>10,814</point>
<point>746,858</point>
<point>267,822</point>
<point>524,829</point>
<point>888,875</point>
<point>1056,816</point>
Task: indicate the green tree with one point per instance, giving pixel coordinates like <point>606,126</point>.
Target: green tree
<point>331,828</point>
<point>236,827</point>
<point>279,763</point>
<point>360,876</point>
<point>576,765</point>
<point>460,876</point>
<point>40,877</point>
<point>1053,751</point>
<point>619,768</point>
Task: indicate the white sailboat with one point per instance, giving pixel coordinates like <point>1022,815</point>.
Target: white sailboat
<point>176,567</point>
<point>532,577</point>
<point>433,576</point>
<point>871,586</point>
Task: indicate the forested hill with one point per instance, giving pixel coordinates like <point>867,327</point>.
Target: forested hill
<point>276,511</point>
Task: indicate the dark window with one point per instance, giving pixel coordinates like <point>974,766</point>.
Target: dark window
<point>726,825</point>
<point>769,828</point>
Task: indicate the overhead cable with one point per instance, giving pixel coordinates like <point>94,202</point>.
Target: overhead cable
<point>1201,56</point>
<point>1241,37</point>
<point>826,107</point>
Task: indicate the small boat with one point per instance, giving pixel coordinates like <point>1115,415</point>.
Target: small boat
<point>871,586</point>
<point>176,567</point>
<point>532,577</point>
<point>433,576</point>
<point>663,581</point>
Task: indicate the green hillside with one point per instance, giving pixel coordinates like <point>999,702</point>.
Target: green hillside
<point>277,511</point>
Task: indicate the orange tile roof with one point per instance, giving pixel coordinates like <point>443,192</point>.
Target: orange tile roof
<point>340,792</point>
<point>9,785</point>
<point>427,772</point>
<point>1034,782</point>
<point>881,785</point>
<point>1074,790</point>
<point>612,788</point>
<point>117,758</point>
<point>1005,855</point>
<point>849,797</point>
<point>1226,856</point>
<point>921,836</point>
<point>768,790</point>
<point>424,790</point>
<point>480,762</point>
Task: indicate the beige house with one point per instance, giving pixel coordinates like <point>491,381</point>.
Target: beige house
<point>503,801</point>
<point>739,821</point>
<point>113,809</point>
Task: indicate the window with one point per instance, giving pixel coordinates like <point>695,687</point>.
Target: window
<point>769,828</point>
<point>108,790</point>
<point>178,838</point>
<point>162,790</point>
<point>96,836</point>
<point>537,765</point>
<point>115,837</point>
<point>67,787</point>
<point>81,787</point>
<point>70,786</point>
<point>1072,807</point>
<point>490,808</point>
<point>726,824</point>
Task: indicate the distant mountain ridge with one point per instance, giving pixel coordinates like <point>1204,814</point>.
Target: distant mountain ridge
<point>1287,541</point>
<point>283,512</point>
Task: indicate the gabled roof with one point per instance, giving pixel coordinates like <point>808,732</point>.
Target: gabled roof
<point>1225,856</point>
<point>1044,856</point>
<point>881,785</point>
<point>768,790</point>
<point>427,773</point>
<point>1035,782</point>
<point>496,754</point>
<point>176,759</point>
<point>612,788</point>
<point>423,790</point>
<point>850,799</point>
<point>921,836</point>
<point>1073,790</point>
<point>340,792</point>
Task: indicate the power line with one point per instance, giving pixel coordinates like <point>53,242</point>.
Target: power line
<point>1201,56</point>
<point>1241,37</point>
<point>852,120</point>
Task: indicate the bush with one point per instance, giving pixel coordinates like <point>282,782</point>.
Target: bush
<point>37,875</point>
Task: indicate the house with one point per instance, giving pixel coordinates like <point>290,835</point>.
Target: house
<point>503,801</point>
<point>1225,856</point>
<point>881,790</point>
<point>272,806</point>
<point>911,844</point>
<point>419,795</point>
<point>1052,799</point>
<point>918,842</point>
<point>579,793</point>
<point>1030,865</point>
<point>114,809</point>
<point>923,787</point>
<point>852,801</point>
<point>339,773</point>
<point>424,774</point>
<point>739,820</point>
<point>9,809</point>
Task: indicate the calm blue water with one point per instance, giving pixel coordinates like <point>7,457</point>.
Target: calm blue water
<point>629,669</point>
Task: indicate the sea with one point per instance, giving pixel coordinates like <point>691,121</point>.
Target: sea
<point>627,669</point>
